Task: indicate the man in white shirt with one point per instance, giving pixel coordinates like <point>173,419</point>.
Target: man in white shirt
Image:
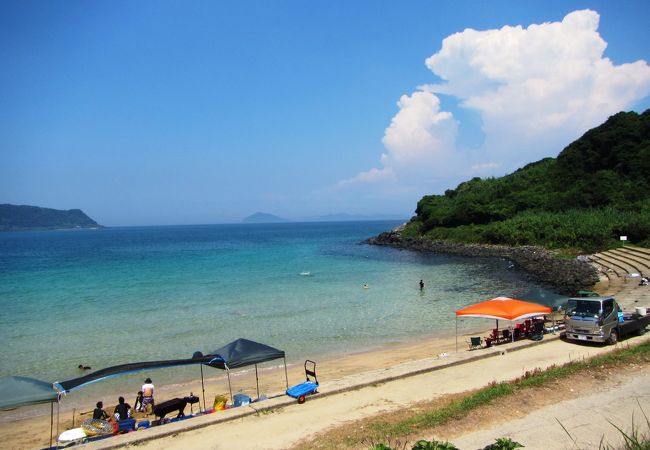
<point>147,395</point>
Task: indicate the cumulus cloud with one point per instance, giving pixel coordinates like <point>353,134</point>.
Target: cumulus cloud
<point>535,89</point>
<point>419,132</point>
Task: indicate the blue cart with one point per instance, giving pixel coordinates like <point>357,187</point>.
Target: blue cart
<point>299,391</point>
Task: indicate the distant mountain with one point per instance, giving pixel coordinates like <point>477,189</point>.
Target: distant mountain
<point>260,217</point>
<point>24,217</point>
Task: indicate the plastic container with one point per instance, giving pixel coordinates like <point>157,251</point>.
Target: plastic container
<point>641,310</point>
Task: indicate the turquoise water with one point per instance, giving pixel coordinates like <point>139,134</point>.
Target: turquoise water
<point>111,296</point>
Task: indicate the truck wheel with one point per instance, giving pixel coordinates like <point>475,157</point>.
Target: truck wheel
<point>613,337</point>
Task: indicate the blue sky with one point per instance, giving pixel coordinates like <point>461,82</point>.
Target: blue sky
<point>171,112</point>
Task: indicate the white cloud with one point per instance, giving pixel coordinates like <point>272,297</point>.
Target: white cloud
<point>419,132</point>
<point>536,89</point>
<point>371,176</point>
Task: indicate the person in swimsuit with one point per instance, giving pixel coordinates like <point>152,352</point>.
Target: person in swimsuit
<point>147,394</point>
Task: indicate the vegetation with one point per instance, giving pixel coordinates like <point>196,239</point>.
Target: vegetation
<point>18,218</point>
<point>394,434</point>
<point>596,190</point>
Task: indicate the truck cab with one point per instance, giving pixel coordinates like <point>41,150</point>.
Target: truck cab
<point>593,319</point>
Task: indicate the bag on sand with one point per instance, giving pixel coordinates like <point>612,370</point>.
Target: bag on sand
<point>220,402</point>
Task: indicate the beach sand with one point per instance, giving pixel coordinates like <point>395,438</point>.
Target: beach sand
<point>355,386</point>
<point>33,432</point>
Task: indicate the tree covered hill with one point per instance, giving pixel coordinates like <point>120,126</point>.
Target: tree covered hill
<point>23,217</point>
<point>597,189</point>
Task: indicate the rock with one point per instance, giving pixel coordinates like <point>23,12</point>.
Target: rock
<point>539,264</point>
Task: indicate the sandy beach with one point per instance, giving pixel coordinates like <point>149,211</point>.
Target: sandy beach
<point>353,387</point>
<point>32,432</point>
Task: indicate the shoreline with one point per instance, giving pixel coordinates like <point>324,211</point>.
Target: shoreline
<point>31,430</point>
<point>566,276</point>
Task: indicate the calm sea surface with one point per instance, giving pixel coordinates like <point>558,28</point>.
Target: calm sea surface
<point>111,296</point>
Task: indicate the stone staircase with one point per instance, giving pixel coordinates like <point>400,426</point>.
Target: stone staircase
<point>620,272</point>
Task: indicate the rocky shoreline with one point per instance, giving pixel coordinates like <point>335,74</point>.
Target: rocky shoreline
<point>566,276</point>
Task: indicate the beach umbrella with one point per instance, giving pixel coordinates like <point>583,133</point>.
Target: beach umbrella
<point>503,308</point>
<point>22,391</point>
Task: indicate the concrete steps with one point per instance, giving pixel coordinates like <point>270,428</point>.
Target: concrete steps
<point>614,268</point>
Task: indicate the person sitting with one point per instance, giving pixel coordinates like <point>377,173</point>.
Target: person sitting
<point>99,413</point>
<point>147,395</point>
<point>122,410</point>
<point>82,367</point>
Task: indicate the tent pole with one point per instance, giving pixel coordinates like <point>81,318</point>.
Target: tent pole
<point>229,385</point>
<point>51,421</point>
<point>456,334</point>
<point>257,382</point>
<point>203,389</point>
<point>57,416</point>
<point>286,376</point>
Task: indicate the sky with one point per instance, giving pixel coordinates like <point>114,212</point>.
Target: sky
<point>174,112</point>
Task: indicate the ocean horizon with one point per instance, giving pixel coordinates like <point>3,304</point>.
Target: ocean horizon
<point>124,294</point>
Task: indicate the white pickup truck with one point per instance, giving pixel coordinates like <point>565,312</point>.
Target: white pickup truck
<point>600,319</point>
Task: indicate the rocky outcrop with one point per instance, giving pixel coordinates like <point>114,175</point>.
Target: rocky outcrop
<point>543,266</point>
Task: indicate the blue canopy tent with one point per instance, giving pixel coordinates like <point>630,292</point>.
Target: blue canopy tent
<point>242,353</point>
<point>22,391</point>
<point>123,369</point>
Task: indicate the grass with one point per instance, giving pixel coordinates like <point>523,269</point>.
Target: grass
<point>458,408</point>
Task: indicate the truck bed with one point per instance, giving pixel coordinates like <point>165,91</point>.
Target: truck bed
<point>633,323</point>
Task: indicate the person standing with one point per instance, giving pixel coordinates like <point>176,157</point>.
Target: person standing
<point>421,285</point>
<point>147,395</point>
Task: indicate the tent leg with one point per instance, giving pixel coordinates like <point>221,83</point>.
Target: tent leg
<point>203,389</point>
<point>51,421</point>
<point>257,382</point>
<point>229,385</point>
<point>57,417</point>
<point>286,376</point>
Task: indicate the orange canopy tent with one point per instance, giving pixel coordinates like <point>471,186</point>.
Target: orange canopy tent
<point>501,308</point>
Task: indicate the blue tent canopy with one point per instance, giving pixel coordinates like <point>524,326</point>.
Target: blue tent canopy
<point>20,391</point>
<point>243,352</point>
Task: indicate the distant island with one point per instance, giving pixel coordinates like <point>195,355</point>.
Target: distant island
<point>260,217</point>
<point>24,217</point>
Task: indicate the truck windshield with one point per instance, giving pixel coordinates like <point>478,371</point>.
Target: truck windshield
<point>583,308</point>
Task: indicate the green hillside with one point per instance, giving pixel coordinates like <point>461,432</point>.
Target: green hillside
<point>597,189</point>
<point>23,217</point>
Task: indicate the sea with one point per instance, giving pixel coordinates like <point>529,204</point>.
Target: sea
<point>111,296</point>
